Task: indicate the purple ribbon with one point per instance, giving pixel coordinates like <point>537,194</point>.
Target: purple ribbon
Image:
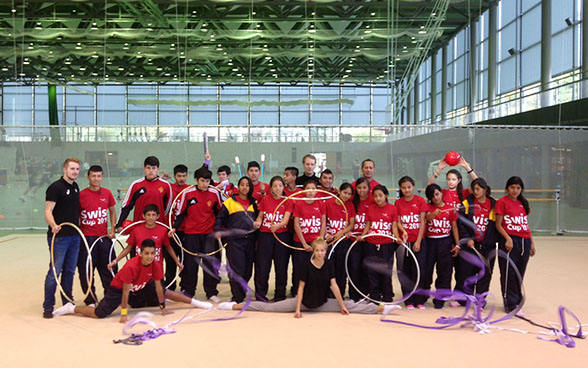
<point>562,335</point>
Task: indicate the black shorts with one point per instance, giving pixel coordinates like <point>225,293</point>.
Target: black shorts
<point>146,297</point>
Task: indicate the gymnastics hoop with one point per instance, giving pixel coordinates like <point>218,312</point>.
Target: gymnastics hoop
<point>220,248</point>
<point>416,284</point>
<point>338,241</point>
<point>53,261</point>
<point>300,192</point>
<point>88,260</point>
<point>158,223</point>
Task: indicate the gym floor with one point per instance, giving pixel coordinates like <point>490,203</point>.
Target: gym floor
<point>556,276</point>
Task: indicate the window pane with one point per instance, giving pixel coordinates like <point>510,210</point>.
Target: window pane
<point>562,55</point>
<point>528,4</point>
<point>531,59</point>
<point>111,105</point>
<point>506,72</point>
<point>507,10</point>
<point>531,28</point>
<point>79,105</point>
<point>358,113</point>
<point>507,41</point>
<point>140,114</point>
<point>560,10</point>
<point>205,114</point>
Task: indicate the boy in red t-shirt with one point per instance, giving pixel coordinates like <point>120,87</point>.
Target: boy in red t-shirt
<point>180,177</point>
<point>138,284</point>
<point>197,213</point>
<point>259,188</point>
<point>326,181</point>
<point>96,206</point>
<point>148,230</point>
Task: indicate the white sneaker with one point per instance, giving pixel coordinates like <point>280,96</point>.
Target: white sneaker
<point>215,299</point>
<point>226,305</point>
<point>410,307</point>
<point>202,305</point>
<point>68,308</point>
<point>389,308</point>
<point>93,305</point>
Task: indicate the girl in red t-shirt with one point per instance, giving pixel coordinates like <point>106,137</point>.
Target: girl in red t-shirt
<point>455,194</point>
<point>268,248</point>
<point>381,219</point>
<point>411,210</point>
<point>441,248</point>
<point>337,228</point>
<point>309,223</point>
<point>362,200</point>
<point>479,233</point>
<point>512,223</point>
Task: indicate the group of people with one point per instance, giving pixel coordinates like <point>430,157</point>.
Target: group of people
<point>261,224</point>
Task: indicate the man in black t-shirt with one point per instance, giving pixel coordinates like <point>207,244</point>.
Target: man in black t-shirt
<point>62,204</point>
<point>309,164</point>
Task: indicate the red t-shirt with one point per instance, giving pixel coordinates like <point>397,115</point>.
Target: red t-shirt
<point>451,197</point>
<point>176,189</point>
<point>268,206</point>
<point>360,214</point>
<point>288,193</point>
<point>481,217</point>
<point>257,191</point>
<point>94,211</point>
<point>336,215</point>
<point>409,215</point>
<point>381,221</point>
<point>143,192</point>
<point>158,234</point>
<point>310,219</point>
<point>514,218</point>
<point>330,190</point>
<point>136,274</point>
<point>198,208</point>
<point>440,226</point>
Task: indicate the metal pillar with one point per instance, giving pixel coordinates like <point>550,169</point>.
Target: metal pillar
<point>443,83</point>
<point>585,48</point>
<point>415,99</point>
<point>433,91</point>
<point>545,52</point>
<point>473,77</point>
<point>492,55</point>
<point>409,108</point>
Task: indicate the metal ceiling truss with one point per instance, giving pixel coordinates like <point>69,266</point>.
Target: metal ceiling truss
<point>224,41</point>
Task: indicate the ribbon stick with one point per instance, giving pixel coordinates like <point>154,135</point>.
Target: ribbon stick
<point>205,138</point>
<point>238,163</point>
<point>262,165</point>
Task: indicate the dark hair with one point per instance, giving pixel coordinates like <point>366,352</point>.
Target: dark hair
<point>513,180</point>
<point>309,182</point>
<point>224,168</point>
<point>383,189</point>
<point>326,171</point>
<point>368,160</point>
<point>253,164</point>
<point>276,178</point>
<point>356,198</point>
<point>95,168</point>
<point>344,186</point>
<point>430,191</point>
<point>203,172</point>
<point>180,169</point>
<point>147,243</point>
<point>151,161</point>
<point>293,170</point>
<point>250,193</point>
<point>403,180</point>
<point>459,188</point>
<point>482,184</point>
<point>151,207</point>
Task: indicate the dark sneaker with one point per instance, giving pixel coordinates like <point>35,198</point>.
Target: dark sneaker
<point>48,314</point>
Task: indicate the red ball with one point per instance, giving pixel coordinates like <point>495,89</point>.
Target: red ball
<point>126,223</point>
<point>452,158</point>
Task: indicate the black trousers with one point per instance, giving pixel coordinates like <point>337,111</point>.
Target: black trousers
<point>170,266</point>
<point>408,270</point>
<point>439,257</point>
<point>240,255</point>
<point>100,260</point>
<point>268,250</point>
<point>338,259</point>
<point>299,257</point>
<point>510,286</point>
<point>380,278</point>
<point>464,270</point>
<point>198,243</point>
<point>357,272</point>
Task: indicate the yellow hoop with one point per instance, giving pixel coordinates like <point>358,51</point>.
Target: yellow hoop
<point>90,281</point>
<point>306,191</point>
